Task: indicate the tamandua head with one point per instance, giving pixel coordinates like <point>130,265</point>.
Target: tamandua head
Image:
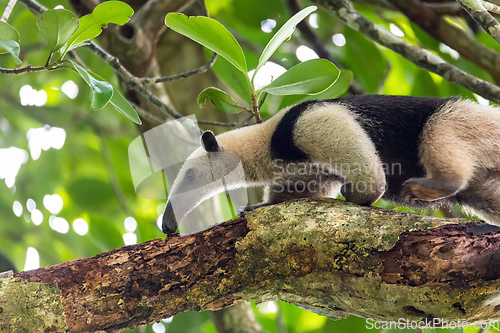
<point>209,170</point>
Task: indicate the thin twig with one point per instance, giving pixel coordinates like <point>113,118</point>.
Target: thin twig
<point>204,7</point>
<point>202,69</point>
<point>158,121</point>
<point>491,7</point>
<point>133,81</point>
<point>447,8</point>
<point>220,123</point>
<point>146,115</point>
<point>478,12</point>
<point>8,10</point>
<point>30,68</point>
<point>262,100</point>
<point>420,57</point>
<point>34,6</point>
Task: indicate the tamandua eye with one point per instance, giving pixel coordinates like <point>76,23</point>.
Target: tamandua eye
<point>190,173</point>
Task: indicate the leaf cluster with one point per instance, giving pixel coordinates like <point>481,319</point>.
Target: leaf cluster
<point>64,32</point>
<point>308,78</point>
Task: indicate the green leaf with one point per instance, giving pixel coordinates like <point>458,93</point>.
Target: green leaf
<point>283,34</point>
<point>211,34</point>
<point>307,78</point>
<point>339,87</point>
<point>101,92</point>
<point>336,90</point>
<point>220,99</point>
<point>91,25</point>
<point>8,32</point>
<point>9,41</point>
<point>233,79</point>
<point>57,26</point>
<point>12,47</point>
<point>124,107</point>
<point>74,46</point>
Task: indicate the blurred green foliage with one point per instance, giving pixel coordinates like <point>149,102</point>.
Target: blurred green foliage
<point>91,173</point>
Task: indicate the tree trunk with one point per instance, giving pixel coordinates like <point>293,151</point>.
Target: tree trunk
<point>332,257</point>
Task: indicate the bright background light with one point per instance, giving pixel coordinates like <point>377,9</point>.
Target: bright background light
<point>313,20</point>
<point>36,217</point>
<point>58,224</point>
<point>158,328</point>
<point>269,72</point>
<point>70,89</point>
<point>11,160</point>
<point>396,30</point>
<point>268,25</point>
<point>53,203</point>
<point>32,259</point>
<point>130,238</point>
<point>30,205</point>
<point>305,53</point>
<point>80,226</point>
<point>30,96</point>
<point>130,224</point>
<point>339,40</point>
<point>17,207</point>
<point>44,138</point>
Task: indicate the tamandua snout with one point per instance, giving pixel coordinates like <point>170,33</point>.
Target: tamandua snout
<point>416,151</point>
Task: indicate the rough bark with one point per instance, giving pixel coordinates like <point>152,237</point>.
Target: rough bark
<point>332,257</point>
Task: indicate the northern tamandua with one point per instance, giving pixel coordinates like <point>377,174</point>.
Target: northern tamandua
<point>418,151</point>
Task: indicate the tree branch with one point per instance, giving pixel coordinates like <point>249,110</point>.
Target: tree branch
<point>446,8</point>
<point>8,10</point>
<point>378,263</point>
<point>30,69</point>
<point>491,7</point>
<point>200,70</point>
<point>433,23</point>
<point>480,14</point>
<point>420,57</point>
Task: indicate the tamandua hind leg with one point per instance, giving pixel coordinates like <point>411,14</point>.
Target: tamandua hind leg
<point>430,189</point>
<point>482,197</point>
<point>449,169</point>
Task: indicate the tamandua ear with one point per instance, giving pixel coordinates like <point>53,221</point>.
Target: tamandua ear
<point>209,142</point>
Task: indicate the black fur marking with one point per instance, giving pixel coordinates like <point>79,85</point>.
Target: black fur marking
<point>394,124</point>
<point>483,229</point>
<point>283,146</point>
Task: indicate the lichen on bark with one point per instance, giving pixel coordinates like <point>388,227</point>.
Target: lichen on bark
<point>27,306</point>
<point>325,255</point>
